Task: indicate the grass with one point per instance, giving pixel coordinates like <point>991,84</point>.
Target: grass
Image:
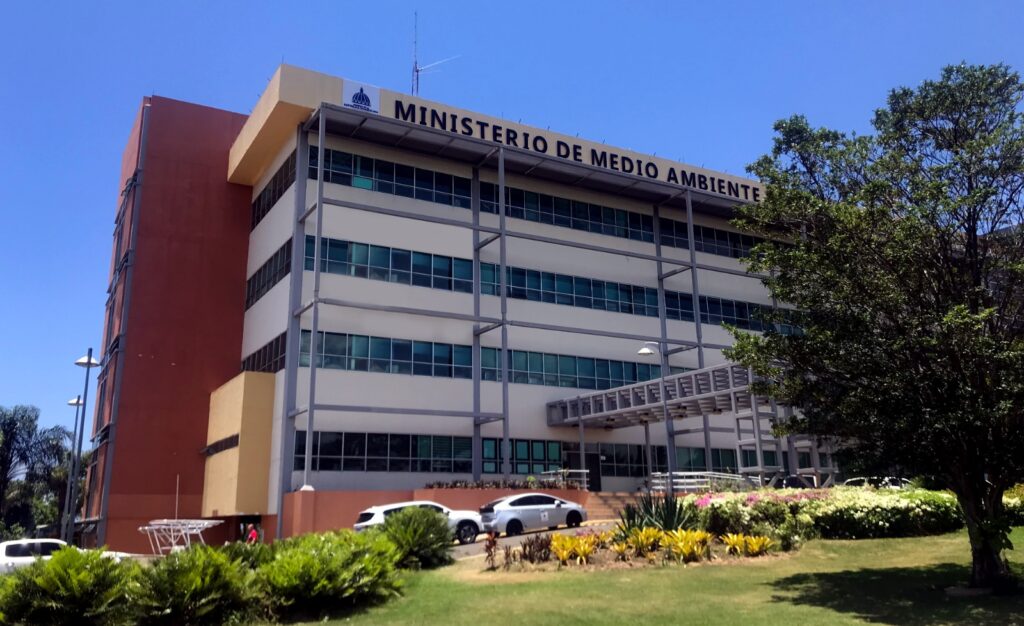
<point>885,581</point>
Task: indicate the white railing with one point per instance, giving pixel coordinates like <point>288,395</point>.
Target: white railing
<point>691,482</point>
<point>560,479</point>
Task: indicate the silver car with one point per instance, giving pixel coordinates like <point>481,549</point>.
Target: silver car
<point>530,511</point>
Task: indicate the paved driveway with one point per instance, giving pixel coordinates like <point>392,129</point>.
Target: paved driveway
<point>474,549</point>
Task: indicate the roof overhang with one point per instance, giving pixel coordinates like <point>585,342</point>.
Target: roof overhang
<point>395,133</point>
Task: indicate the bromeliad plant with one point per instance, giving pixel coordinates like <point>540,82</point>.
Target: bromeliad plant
<point>563,547</point>
<point>644,541</point>
<point>688,546</point>
<point>735,543</point>
<point>759,545</point>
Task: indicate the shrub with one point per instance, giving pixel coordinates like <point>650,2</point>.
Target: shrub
<point>324,572</point>
<point>794,531</point>
<point>1014,510</point>
<point>422,537</point>
<point>729,516</point>
<point>252,555</point>
<point>72,587</point>
<point>536,549</point>
<point>792,516</point>
<point>491,549</point>
<point>768,511</point>
<point>200,585</point>
<point>865,513</point>
<point>651,511</point>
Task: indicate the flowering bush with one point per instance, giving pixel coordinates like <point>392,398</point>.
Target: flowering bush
<point>791,516</point>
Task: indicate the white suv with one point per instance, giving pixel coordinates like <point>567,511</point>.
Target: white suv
<point>23,552</point>
<point>465,525</point>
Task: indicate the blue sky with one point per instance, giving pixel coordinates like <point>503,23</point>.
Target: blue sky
<point>698,82</point>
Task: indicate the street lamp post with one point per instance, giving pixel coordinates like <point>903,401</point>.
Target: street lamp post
<point>649,348</point>
<point>77,403</point>
<point>76,454</point>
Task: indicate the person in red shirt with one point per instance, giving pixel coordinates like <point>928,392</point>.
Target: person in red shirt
<point>251,534</point>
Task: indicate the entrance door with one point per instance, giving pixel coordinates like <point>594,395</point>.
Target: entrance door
<point>594,471</point>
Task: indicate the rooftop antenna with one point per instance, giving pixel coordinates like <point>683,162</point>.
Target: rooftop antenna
<point>418,69</point>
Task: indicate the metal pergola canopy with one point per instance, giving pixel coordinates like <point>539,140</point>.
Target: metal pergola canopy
<point>389,132</point>
<point>711,390</point>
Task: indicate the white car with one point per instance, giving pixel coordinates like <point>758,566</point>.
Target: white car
<point>465,525</point>
<point>23,552</point>
<point>529,511</point>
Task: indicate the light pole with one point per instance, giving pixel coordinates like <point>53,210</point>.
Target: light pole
<point>77,403</point>
<point>649,348</point>
<point>88,363</point>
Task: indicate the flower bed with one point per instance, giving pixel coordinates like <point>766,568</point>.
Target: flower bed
<point>621,548</point>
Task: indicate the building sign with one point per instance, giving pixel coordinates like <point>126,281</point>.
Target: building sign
<point>360,96</point>
<point>570,151</point>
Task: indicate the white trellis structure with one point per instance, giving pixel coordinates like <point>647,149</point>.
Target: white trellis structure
<point>168,535</point>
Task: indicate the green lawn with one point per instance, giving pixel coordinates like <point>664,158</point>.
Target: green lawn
<point>889,581</point>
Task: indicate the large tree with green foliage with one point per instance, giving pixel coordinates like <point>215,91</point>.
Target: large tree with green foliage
<point>903,252</point>
<point>33,468</point>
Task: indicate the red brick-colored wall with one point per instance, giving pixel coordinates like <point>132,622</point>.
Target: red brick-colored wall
<point>183,330</point>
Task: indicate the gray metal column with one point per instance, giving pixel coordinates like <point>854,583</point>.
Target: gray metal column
<point>647,449</point>
<point>695,297</point>
<point>314,331</point>
<point>477,439</point>
<point>670,431</point>
<point>126,299</point>
<point>293,334</point>
<point>506,441</point>
<point>583,445</point>
<point>757,429</point>
<point>71,470</point>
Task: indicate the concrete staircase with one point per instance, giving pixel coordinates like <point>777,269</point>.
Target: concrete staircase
<point>605,505</point>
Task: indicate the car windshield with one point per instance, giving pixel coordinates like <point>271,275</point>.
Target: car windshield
<point>365,516</point>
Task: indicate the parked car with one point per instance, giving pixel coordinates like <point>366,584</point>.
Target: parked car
<point>514,514</point>
<point>878,482</point>
<point>23,552</point>
<point>465,525</point>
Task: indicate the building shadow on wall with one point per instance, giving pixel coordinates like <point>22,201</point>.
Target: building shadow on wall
<point>907,596</point>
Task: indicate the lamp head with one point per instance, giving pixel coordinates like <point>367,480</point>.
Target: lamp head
<point>76,401</point>
<point>648,349</point>
<point>87,361</point>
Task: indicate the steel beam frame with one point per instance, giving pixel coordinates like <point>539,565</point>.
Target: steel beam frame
<point>482,236</point>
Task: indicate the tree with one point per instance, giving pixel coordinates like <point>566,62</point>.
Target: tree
<point>902,255</point>
<point>29,459</point>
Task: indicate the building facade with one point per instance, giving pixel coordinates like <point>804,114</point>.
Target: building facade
<point>453,276</point>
